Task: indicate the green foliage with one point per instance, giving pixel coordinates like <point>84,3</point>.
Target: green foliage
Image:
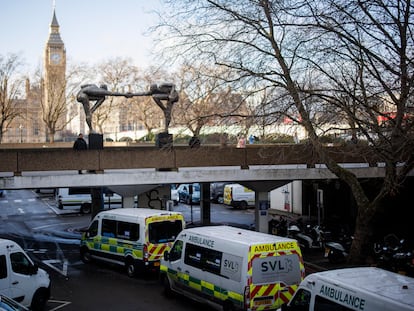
<point>277,139</point>
<point>150,137</point>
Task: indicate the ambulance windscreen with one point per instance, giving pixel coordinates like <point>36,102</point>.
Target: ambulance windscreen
<point>164,231</point>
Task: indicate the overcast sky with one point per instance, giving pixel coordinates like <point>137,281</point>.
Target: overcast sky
<point>92,30</point>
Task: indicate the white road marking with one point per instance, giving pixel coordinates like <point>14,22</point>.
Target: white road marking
<point>62,304</point>
<point>53,225</point>
<point>50,263</point>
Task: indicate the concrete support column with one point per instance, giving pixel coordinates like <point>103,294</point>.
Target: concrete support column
<point>261,211</point>
<point>128,202</point>
<point>97,201</point>
<point>205,206</point>
<point>155,198</point>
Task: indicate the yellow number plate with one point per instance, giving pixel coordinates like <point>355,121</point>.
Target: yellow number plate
<point>263,302</point>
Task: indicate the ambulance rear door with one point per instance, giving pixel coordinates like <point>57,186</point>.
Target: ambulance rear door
<point>275,275</point>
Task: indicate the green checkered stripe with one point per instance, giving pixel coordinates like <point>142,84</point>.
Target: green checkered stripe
<point>206,288</point>
<point>113,245</point>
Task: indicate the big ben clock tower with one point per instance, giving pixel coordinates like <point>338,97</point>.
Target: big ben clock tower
<point>54,84</point>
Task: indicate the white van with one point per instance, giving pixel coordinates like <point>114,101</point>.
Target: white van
<point>133,237</point>
<point>366,288</point>
<point>20,278</point>
<point>233,268</point>
<point>238,196</point>
<point>81,196</point>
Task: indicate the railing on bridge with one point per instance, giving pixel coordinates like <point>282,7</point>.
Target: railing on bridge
<point>19,160</point>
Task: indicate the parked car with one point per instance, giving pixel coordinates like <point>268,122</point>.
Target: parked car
<point>217,191</point>
<point>185,196</point>
<point>50,191</point>
<point>9,304</point>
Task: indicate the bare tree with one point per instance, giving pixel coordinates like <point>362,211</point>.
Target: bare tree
<point>118,74</point>
<point>206,100</point>
<point>56,111</point>
<point>10,86</point>
<point>144,109</point>
<point>324,60</point>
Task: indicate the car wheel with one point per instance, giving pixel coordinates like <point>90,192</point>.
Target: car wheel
<point>85,208</point>
<point>39,299</point>
<point>86,255</point>
<point>243,205</point>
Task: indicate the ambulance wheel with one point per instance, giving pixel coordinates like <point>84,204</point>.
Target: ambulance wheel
<point>167,287</point>
<point>228,306</point>
<point>39,300</point>
<point>130,267</point>
<point>85,255</point>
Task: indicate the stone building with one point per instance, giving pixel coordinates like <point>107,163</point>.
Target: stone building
<point>44,101</point>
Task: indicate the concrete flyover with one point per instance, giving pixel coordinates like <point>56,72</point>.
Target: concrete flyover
<point>131,171</point>
<point>271,165</point>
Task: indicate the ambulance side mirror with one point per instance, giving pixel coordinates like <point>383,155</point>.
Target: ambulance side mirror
<point>166,256</point>
<point>33,269</point>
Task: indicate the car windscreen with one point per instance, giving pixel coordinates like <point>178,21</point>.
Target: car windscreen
<point>164,231</point>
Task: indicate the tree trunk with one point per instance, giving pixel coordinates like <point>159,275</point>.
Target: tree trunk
<point>51,135</point>
<point>362,245</point>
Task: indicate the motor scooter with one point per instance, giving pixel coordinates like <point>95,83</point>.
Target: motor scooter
<point>395,255</point>
<point>310,238</point>
<point>338,251</point>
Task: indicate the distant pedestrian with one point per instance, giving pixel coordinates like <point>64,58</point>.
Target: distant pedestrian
<point>296,138</point>
<point>242,142</point>
<point>251,139</point>
<point>80,144</point>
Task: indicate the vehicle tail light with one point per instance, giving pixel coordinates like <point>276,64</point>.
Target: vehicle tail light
<point>146,255</point>
<point>246,297</point>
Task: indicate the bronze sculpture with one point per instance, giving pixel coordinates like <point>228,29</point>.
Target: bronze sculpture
<point>164,92</point>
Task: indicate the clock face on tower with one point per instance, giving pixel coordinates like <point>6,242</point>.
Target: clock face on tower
<point>55,57</point>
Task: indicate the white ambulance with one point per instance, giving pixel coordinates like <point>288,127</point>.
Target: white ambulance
<point>133,237</point>
<point>233,268</point>
<point>20,278</point>
<point>366,288</point>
